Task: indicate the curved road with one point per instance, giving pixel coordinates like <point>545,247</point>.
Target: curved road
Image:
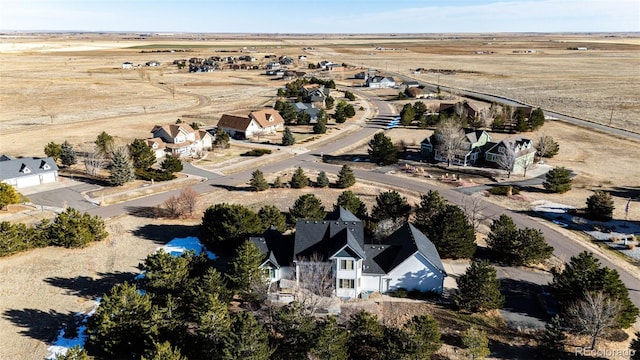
<point>564,246</point>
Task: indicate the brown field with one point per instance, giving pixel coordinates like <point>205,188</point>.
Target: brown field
<point>72,87</point>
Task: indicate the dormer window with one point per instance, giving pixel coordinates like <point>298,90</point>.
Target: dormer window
<point>25,169</point>
<point>46,166</point>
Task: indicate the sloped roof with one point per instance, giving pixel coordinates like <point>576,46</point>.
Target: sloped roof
<point>174,129</point>
<point>341,214</point>
<point>515,143</point>
<point>234,122</point>
<point>14,168</point>
<point>473,135</point>
<point>262,117</point>
<point>276,247</point>
<point>201,134</point>
<point>157,141</point>
<point>325,237</point>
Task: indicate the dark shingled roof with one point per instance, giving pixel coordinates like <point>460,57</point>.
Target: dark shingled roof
<point>276,247</point>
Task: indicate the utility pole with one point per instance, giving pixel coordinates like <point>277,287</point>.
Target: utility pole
<point>611,116</point>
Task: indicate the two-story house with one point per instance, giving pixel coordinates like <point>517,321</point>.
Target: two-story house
<point>468,153</point>
<point>406,259</point>
<point>266,121</point>
<point>180,140</point>
<point>522,152</point>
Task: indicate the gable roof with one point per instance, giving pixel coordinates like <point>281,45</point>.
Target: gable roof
<point>234,122</point>
<point>174,129</point>
<point>11,168</point>
<point>157,141</point>
<point>474,135</point>
<point>520,145</point>
<point>325,237</point>
<point>277,248</point>
<point>267,117</point>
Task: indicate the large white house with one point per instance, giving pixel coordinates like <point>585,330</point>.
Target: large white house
<point>179,140</point>
<point>406,259</point>
<point>28,171</point>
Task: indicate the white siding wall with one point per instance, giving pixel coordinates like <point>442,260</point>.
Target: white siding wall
<point>416,273</point>
<point>353,274</point>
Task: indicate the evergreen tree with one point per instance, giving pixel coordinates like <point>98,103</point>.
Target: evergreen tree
<point>453,234</point>
<point>552,343</point>
<point>329,102</point>
<point>348,200</point>
<point>171,164</point>
<point>423,335</point>
<point>366,340</point>
<point>53,150</point>
<point>349,95</point>
<point>307,207</point>
<point>221,139</point>
<point>123,326</point>
<point>277,183</point>
<point>225,226</point>
<point>419,108</point>
<point>303,118</point>
<point>340,116</point>
<point>583,275</point>
<point>247,339</point>
<point>407,115</point>
<point>163,351</point>
<point>105,144</point>
<point>501,238</point>
<point>536,119</point>
<point>558,180</point>
<point>331,342</point>
<point>390,205</point>
<point>214,323</point>
<point>320,127</point>
<point>322,116</point>
<point>141,154</point>
<point>322,180</point>
<point>293,332</point>
<point>289,114</point>
<point>600,206</point>
<point>432,204</point>
<point>345,177</point>
<point>258,182</point>
<point>478,288</point>
<point>75,229</point>
<point>299,179</point>
<point>271,216</point>
<point>164,275</point>
<point>121,167</point>
<point>382,151</point>
<point>8,195</point>
<point>476,343</point>
<point>68,155</point>
<point>74,353</point>
<point>287,137</point>
<point>530,247</point>
<point>211,283</point>
<point>245,273</point>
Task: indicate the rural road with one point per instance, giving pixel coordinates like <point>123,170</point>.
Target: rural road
<point>564,246</point>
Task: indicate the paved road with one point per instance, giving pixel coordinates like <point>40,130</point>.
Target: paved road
<point>564,247</point>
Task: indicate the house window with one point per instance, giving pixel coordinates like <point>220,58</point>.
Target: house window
<point>491,157</point>
<point>501,150</point>
<point>346,284</point>
<point>270,273</point>
<point>346,264</point>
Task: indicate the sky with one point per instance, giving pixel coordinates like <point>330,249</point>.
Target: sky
<point>326,16</point>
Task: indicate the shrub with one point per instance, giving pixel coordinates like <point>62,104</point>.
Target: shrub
<point>154,174</point>
<point>256,152</point>
<point>503,190</point>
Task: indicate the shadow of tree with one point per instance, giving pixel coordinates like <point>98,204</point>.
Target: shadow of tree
<point>520,297</point>
<point>41,325</point>
<point>164,233</point>
<point>88,287</point>
<point>234,187</point>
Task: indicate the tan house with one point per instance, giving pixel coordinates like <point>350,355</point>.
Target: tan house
<point>261,122</point>
<point>181,140</point>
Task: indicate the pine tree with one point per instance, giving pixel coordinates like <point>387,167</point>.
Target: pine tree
<point>163,351</point>
<point>531,247</point>
<point>332,341</point>
<point>423,335</point>
<point>322,180</point>
<point>329,102</point>
<point>225,226</point>
<point>348,200</point>
<point>382,151</point>
<point>391,205</point>
<point>345,177</point>
<point>366,341</point>
<point>287,137</point>
<point>552,343</point>
<point>431,205</point>
<point>141,154</point>
<point>558,180</point>
<point>105,144</point>
<point>124,324</point>
<point>407,115</point>
<point>245,273</point>
<point>247,339</point>
<point>536,119</point>
<point>453,234</point>
<point>299,179</point>
<point>68,155</point>
<point>277,183</point>
<point>53,150</point>
<point>171,164</point>
<point>121,167</point>
<point>221,139</point>
<point>478,288</point>
<point>476,343</point>
<point>293,332</point>
<point>600,206</point>
<point>8,195</point>
<point>320,127</point>
<point>214,323</point>
<point>72,228</point>
<point>74,353</point>
<point>501,238</point>
<point>272,216</point>
<point>258,182</point>
<point>307,207</point>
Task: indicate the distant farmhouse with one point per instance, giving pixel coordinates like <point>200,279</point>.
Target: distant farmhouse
<point>256,123</point>
<point>380,82</point>
<point>406,259</point>
<point>28,171</point>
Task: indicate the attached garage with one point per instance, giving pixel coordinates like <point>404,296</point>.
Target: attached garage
<point>26,172</point>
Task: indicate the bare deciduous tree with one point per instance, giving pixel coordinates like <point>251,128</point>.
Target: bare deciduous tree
<point>316,282</point>
<point>173,206</point>
<point>94,162</point>
<point>449,137</point>
<point>188,200</point>
<point>527,163</point>
<point>506,160</point>
<point>473,207</point>
<point>593,315</point>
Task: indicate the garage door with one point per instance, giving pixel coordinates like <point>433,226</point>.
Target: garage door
<point>28,181</point>
<point>48,178</point>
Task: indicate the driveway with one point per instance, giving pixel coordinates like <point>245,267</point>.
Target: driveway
<point>70,196</point>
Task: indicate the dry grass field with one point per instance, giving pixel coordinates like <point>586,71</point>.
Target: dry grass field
<point>72,87</point>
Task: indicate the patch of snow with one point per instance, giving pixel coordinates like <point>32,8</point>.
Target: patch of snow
<point>177,246</point>
<point>550,207</point>
<point>557,222</point>
<point>62,344</point>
